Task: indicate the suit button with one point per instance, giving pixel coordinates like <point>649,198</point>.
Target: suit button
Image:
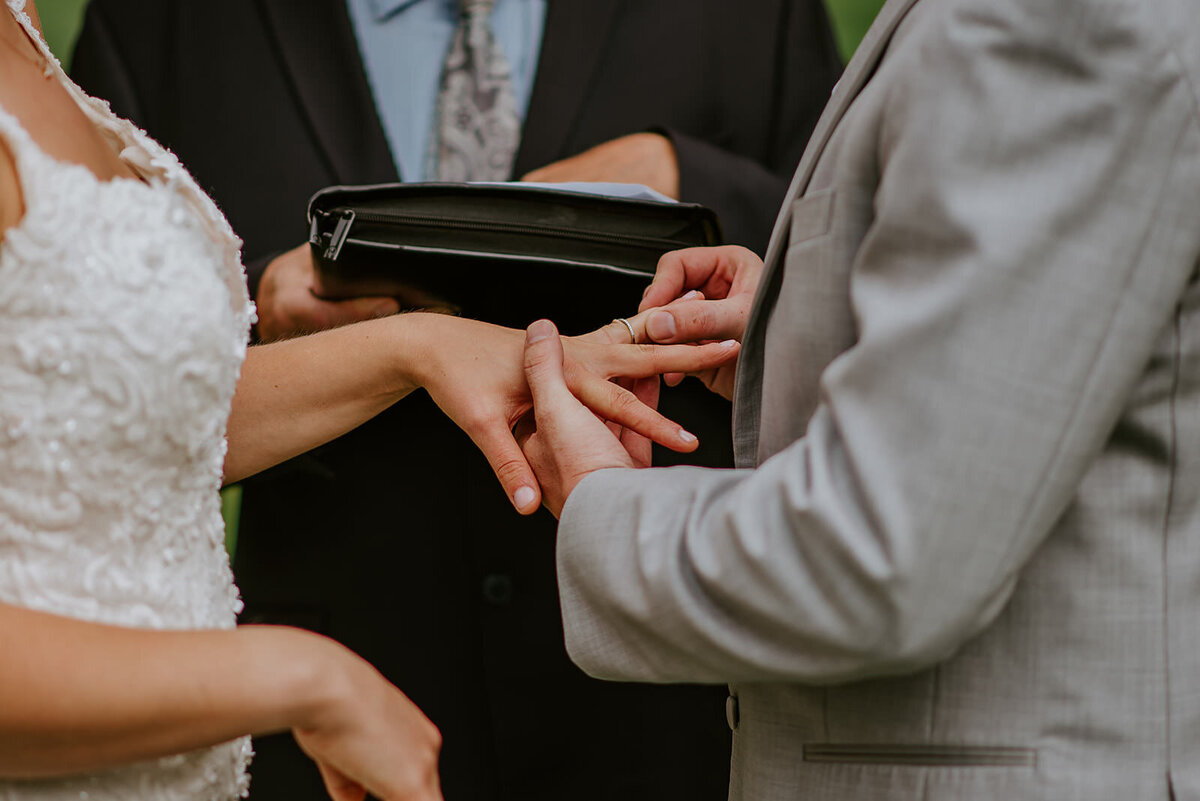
<point>733,712</point>
<point>498,589</point>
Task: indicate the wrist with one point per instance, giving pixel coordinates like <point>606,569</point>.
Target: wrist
<point>303,680</point>
<point>414,349</point>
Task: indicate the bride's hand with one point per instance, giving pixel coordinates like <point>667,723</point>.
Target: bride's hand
<point>365,735</point>
<point>474,372</point>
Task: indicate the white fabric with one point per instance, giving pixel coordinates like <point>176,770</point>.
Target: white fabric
<point>123,325</point>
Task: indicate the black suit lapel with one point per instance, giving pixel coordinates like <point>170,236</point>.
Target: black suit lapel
<point>319,51</point>
<point>576,32</point>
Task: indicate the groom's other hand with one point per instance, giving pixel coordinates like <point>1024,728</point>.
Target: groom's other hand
<point>288,305</point>
<point>569,442</point>
<point>727,277</point>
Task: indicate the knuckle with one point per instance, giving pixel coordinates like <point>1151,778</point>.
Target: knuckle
<point>626,403</point>
<point>535,357</point>
<point>510,470</point>
<point>476,417</point>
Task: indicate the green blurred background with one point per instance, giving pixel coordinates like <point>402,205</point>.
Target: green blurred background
<point>61,20</point>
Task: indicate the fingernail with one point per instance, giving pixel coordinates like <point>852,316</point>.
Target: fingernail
<point>537,332</point>
<point>693,295</point>
<point>729,343</point>
<point>687,437</point>
<point>523,497</point>
<point>646,291</point>
<point>660,326</point>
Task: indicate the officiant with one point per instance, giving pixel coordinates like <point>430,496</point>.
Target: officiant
<point>396,539</point>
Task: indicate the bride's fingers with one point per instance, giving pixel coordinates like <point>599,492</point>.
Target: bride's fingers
<point>616,405</point>
<point>503,453</point>
<point>645,361</point>
<point>637,446</point>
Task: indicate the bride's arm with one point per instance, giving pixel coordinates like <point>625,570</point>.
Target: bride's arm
<point>78,697</point>
<point>300,393</point>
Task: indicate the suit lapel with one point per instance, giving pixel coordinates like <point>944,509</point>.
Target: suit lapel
<point>319,51</point>
<point>858,72</point>
<point>576,32</point>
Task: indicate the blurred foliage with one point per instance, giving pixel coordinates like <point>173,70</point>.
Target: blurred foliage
<point>61,20</point>
<point>850,19</point>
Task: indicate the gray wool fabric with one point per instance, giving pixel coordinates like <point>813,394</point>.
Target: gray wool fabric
<point>961,556</point>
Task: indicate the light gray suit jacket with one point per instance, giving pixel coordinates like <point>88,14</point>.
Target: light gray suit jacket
<point>963,561</point>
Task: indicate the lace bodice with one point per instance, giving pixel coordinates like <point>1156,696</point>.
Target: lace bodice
<point>123,325</point>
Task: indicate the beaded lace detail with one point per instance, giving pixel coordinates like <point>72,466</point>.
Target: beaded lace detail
<point>123,325</point>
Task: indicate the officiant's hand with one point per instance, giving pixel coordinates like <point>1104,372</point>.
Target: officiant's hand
<point>642,158</point>
<point>727,278</point>
<point>474,372</point>
<point>288,304</point>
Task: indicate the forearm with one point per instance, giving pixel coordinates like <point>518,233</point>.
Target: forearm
<point>77,696</point>
<point>953,433</point>
<point>300,393</point>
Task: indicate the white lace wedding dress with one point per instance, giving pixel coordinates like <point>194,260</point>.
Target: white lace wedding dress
<point>123,325</point>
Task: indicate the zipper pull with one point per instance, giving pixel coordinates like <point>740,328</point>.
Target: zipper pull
<point>340,233</point>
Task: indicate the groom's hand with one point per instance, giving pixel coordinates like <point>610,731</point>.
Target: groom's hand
<point>569,442</point>
<point>727,278</point>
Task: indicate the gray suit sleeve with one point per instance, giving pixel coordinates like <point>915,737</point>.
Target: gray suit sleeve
<point>1032,230</point>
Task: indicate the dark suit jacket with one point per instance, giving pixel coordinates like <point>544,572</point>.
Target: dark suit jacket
<point>396,540</point>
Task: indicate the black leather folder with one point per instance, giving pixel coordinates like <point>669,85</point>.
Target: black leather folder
<point>505,253</point>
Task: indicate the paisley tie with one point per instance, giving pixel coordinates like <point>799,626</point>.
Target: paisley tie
<point>476,126</point>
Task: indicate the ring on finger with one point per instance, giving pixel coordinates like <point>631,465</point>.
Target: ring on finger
<point>628,327</point>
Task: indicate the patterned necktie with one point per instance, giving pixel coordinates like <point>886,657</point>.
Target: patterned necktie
<point>476,127</point>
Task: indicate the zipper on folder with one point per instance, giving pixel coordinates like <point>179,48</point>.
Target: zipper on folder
<point>341,232</point>
<point>346,217</point>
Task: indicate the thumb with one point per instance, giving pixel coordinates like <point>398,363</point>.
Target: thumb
<point>698,321</point>
<point>544,365</point>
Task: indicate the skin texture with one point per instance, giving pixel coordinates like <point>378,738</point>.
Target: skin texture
<point>78,696</point>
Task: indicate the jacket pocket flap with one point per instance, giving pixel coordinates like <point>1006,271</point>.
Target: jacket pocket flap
<point>926,755</point>
<point>811,216</point>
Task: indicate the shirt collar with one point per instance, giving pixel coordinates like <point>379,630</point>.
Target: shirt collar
<point>386,9</point>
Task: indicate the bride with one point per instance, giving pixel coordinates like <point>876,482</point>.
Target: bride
<point>122,676</point>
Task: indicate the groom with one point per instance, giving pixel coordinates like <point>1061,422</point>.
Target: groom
<point>961,558</point>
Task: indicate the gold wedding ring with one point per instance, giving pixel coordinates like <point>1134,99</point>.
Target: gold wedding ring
<point>628,327</point>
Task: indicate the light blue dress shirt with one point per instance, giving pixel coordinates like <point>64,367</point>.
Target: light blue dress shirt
<point>403,45</point>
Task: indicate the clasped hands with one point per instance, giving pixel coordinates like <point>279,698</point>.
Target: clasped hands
<point>547,411</point>
<point>698,296</point>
